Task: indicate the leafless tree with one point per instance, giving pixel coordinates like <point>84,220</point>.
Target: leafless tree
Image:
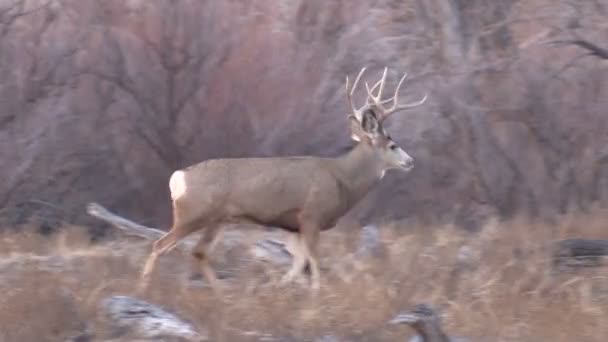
<point>95,93</point>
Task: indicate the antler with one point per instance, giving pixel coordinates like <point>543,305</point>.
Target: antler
<point>376,100</point>
<point>395,99</point>
<point>349,93</point>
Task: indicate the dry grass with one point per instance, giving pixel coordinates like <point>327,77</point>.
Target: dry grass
<point>502,291</point>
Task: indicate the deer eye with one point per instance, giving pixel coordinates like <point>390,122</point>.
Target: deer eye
<point>393,147</point>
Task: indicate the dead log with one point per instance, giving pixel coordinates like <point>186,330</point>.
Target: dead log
<point>270,249</point>
<point>135,229</point>
<point>580,252</point>
<point>139,319</point>
<point>426,321</point>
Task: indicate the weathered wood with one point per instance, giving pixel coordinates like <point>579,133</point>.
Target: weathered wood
<point>268,249</point>
<point>425,320</point>
<point>135,229</point>
<point>142,320</point>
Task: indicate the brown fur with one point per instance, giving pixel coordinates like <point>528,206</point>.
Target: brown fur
<point>303,195</point>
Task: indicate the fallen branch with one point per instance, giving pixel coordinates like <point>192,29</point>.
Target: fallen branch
<point>134,229</point>
<point>270,249</point>
<point>264,249</point>
<point>128,315</point>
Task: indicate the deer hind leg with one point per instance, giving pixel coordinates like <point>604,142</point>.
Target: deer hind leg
<point>162,246</point>
<point>299,258</point>
<point>202,252</point>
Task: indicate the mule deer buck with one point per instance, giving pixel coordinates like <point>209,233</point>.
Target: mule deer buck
<point>302,195</point>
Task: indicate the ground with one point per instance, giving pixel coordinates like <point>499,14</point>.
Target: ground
<point>494,284</point>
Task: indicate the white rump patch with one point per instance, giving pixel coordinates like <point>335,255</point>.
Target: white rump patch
<point>177,184</point>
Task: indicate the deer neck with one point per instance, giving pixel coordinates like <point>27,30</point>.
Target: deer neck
<point>360,170</point>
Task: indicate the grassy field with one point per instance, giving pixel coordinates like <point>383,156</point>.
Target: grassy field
<point>493,285</point>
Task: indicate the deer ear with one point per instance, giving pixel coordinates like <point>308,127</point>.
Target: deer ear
<point>369,122</point>
<point>356,132</point>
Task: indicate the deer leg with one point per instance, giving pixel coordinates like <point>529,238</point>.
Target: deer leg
<point>309,247</point>
<point>299,258</point>
<point>160,247</point>
<point>202,251</point>
<point>204,245</point>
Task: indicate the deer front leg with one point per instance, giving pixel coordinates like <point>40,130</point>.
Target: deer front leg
<point>299,258</point>
<point>310,240</point>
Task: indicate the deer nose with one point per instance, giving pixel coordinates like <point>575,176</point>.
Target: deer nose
<point>408,163</point>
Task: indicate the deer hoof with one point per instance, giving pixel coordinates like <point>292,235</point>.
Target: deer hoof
<point>286,279</point>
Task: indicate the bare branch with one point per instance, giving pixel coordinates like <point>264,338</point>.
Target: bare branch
<point>594,49</point>
<point>17,10</point>
<point>569,64</point>
<point>351,91</point>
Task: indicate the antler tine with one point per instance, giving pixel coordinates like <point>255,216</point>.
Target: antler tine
<point>395,99</point>
<point>351,91</point>
<point>382,82</point>
<point>371,99</point>
<point>376,99</point>
<point>413,104</point>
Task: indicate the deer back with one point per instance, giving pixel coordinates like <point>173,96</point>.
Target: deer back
<point>270,191</point>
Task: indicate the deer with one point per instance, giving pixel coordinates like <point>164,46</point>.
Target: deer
<point>303,195</point>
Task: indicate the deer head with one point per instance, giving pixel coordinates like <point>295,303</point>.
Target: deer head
<point>366,122</point>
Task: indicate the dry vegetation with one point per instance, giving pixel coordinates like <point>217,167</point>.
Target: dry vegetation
<point>102,99</point>
<point>503,289</point>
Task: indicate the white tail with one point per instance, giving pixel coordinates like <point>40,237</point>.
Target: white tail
<point>177,184</point>
<point>303,195</point>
